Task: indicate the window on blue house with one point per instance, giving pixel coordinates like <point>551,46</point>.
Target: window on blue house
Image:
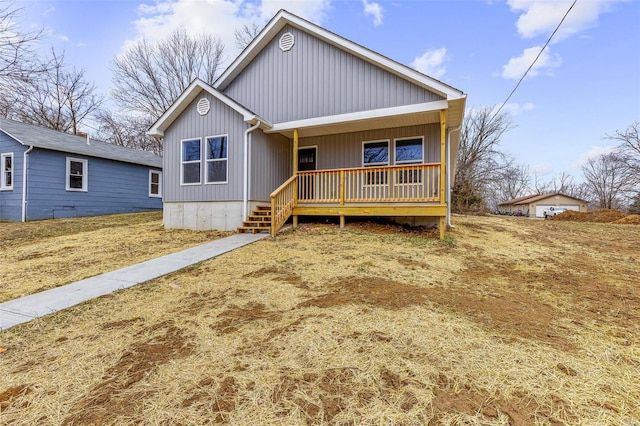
<point>77,172</point>
<point>6,165</point>
<point>217,159</point>
<point>190,170</point>
<point>155,183</point>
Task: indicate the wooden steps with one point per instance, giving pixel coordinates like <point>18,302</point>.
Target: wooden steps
<point>258,221</point>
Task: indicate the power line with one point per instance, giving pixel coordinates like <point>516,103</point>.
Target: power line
<point>535,60</point>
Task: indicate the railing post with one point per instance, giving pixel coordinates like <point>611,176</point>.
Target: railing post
<point>342,187</point>
<point>273,216</point>
<point>443,163</point>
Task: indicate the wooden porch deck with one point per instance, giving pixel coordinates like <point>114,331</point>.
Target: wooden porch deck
<point>406,190</point>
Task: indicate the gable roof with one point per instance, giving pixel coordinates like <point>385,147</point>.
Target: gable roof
<point>41,137</point>
<point>188,96</point>
<point>533,198</point>
<point>282,18</point>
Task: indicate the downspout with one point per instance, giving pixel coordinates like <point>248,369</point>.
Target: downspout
<point>245,192</point>
<point>24,183</point>
<point>455,129</point>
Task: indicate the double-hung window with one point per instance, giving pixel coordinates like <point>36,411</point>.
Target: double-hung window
<point>375,153</point>
<point>217,157</point>
<point>190,168</point>
<point>77,173</point>
<point>409,151</point>
<point>6,165</point>
<point>155,183</point>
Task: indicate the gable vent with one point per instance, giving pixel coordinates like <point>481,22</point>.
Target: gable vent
<point>203,106</point>
<point>286,42</point>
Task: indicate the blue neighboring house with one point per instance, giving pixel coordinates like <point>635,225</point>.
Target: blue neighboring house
<point>48,174</point>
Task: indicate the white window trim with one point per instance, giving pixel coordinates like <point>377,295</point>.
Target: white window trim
<point>207,161</point>
<point>85,175</point>
<point>3,178</point>
<point>182,163</point>
<point>395,141</point>
<point>159,173</point>
<point>381,163</point>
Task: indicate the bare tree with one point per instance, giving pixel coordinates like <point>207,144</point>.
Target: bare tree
<point>246,34</point>
<point>630,144</point>
<point>127,131</point>
<point>513,182</point>
<point>609,179</point>
<point>480,162</point>
<point>60,99</point>
<point>148,77</point>
<point>16,57</point>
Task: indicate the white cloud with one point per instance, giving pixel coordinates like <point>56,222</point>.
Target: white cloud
<point>219,17</point>
<point>542,17</point>
<point>541,169</point>
<point>431,62</point>
<point>375,10</point>
<point>517,109</point>
<point>593,152</point>
<point>517,66</point>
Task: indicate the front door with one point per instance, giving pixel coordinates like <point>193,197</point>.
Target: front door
<point>307,159</point>
<point>306,183</point>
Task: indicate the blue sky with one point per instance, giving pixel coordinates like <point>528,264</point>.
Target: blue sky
<point>585,85</point>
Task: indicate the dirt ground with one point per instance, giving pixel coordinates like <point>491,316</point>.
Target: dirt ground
<point>40,255</point>
<point>506,321</point>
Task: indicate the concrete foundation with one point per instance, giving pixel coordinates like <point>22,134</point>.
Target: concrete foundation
<point>205,216</point>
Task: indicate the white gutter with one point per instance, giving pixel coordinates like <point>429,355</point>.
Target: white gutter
<point>24,183</point>
<point>455,129</point>
<point>245,192</point>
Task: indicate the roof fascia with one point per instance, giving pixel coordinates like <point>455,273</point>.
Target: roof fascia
<point>283,17</point>
<point>12,137</point>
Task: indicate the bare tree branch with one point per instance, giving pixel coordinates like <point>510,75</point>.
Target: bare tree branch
<point>17,60</point>
<point>59,99</point>
<point>245,35</point>
<point>479,162</point>
<point>610,179</point>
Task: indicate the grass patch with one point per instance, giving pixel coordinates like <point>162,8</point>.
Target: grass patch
<point>523,322</point>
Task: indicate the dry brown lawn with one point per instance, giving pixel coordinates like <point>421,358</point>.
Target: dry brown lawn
<point>40,255</point>
<point>508,321</point>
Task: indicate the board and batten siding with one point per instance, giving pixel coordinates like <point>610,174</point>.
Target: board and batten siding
<point>113,187</point>
<point>316,79</point>
<point>345,150</point>
<point>220,120</point>
<point>11,200</point>
<point>271,164</point>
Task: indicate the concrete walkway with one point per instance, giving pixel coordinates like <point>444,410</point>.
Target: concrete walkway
<point>26,308</point>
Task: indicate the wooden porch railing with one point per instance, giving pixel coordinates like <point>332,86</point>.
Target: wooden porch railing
<point>282,204</point>
<point>387,184</point>
<point>399,184</point>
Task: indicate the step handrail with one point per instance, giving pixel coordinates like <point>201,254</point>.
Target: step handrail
<point>283,201</point>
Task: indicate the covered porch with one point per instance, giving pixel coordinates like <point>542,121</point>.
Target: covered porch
<point>418,189</point>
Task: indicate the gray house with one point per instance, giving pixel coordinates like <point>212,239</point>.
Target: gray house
<point>305,122</point>
<point>48,174</point>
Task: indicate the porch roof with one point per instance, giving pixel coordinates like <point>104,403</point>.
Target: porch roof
<point>406,115</point>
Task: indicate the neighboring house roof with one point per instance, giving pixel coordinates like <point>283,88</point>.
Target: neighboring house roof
<point>41,137</point>
<point>534,198</point>
<point>189,95</point>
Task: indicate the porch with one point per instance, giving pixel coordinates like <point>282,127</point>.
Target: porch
<point>406,190</point>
